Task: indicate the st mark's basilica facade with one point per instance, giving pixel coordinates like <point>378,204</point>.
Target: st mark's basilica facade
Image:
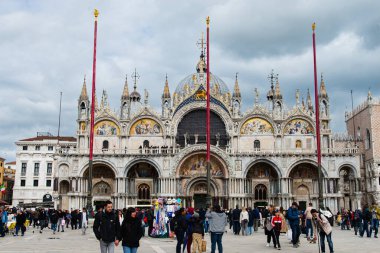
<point>265,155</point>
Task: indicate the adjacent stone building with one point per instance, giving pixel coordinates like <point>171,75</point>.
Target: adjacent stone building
<point>363,123</point>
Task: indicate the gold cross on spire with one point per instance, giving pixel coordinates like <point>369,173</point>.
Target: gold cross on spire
<point>201,44</point>
<point>135,76</point>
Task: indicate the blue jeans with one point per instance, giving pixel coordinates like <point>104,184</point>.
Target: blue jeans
<point>309,227</point>
<point>54,226</point>
<point>216,238</point>
<point>250,230</point>
<point>365,229</point>
<point>206,226</point>
<point>329,241</point>
<point>296,232</point>
<point>129,250</point>
<point>236,227</point>
<point>374,227</point>
<point>19,228</point>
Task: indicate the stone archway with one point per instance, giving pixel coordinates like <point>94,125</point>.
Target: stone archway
<point>197,192</point>
<point>304,183</point>
<point>142,181</point>
<point>262,177</point>
<point>347,186</point>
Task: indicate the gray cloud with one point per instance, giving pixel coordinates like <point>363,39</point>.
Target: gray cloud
<point>46,47</point>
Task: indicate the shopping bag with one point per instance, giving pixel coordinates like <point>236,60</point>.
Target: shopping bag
<point>204,245</point>
<point>63,222</point>
<point>289,234</point>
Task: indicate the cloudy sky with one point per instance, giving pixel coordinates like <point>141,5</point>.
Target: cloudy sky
<point>46,47</point>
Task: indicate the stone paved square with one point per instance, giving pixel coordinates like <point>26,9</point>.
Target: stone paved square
<point>72,241</point>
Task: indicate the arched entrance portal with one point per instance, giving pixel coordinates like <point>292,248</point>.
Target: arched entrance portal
<point>192,180</point>
<point>103,184</point>
<point>142,183</point>
<point>262,184</point>
<point>304,177</point>
<point>347,187</point>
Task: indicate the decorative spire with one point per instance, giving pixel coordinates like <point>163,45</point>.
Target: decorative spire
<point>166,93</point>
<point>297,97</point>
<point>309,102</point>
<point>256,96</point>
<point>369,96</point>
<point>83,94</point>
<point>236,92</point>
<point>125,90</point>
<point>96,102</point>
<point>135,95</point>
<point>104,102</point>
<point>322,89</point>
<point>277,91</point>
<point>270,93</point>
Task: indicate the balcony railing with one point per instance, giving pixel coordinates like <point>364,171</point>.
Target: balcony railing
<point>171,150</point>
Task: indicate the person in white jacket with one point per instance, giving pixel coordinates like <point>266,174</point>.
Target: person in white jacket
<point>325,230</point>
<point>244,218</point>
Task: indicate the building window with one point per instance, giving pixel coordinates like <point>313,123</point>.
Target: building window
<point>49,169</point>
<point>24,147</point>
<point>38,148</point>
<point>368,139</point>
<point>260,192</point>
<point>298,144</point>
<point>22,183</point>
<point>256,145</point>
<point>144,191</point>
<point>23,169</point>
<point>35,183</point>
<point>105,145</point>
<point>36,169</point>
<point>146,144</point>
<point>50,148</point>
<point>48,183</point>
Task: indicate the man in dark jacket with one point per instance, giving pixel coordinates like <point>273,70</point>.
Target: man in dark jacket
<point>42,217</point>
<point>107,229</point>
<point>179,226</point>
<point>54,220</point>
<point>293,216</point>
<point>236,220</point>
<point>366,221</point>
<point>20,220</point>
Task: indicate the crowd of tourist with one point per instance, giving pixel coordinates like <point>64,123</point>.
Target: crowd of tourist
<point>189,226</point>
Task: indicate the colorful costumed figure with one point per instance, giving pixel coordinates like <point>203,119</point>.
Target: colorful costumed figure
<point>159,223</point>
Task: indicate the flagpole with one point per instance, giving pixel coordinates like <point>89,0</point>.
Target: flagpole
<point>208,113</point>
<point>318,131</point>
<point>90,167</point>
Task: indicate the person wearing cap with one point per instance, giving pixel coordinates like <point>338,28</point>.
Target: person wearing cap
<point>293,216</point>
<point>325,230</point>
<point>197,233</point>
<point>131,231</point>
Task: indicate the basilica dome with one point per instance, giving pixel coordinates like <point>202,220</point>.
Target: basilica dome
<point>192,82</point>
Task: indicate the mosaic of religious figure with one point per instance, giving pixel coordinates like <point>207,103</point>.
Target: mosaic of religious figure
<point>145,127</point>
<point>196,165</point>
<point>106,128</point>
<point>261,170</point>
<point>256,126</point>
<point>298,126</point>
<point>304,172</point>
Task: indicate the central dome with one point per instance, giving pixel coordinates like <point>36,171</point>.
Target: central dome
<point>192,82</point>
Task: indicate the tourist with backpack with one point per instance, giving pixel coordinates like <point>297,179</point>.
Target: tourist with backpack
<point>357,221</point>
<point>325,230</point>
